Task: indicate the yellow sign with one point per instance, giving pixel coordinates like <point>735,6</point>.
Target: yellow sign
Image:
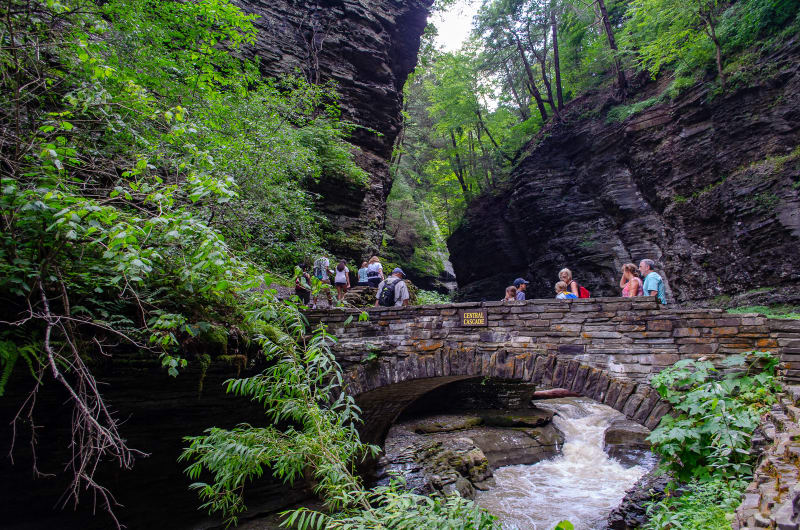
<point>474,317</point>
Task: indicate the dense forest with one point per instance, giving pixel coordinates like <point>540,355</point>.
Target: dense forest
<point>156,187</point>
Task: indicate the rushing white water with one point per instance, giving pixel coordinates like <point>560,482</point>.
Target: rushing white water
<point>582,484</point>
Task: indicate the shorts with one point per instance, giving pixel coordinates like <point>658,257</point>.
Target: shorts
<point>374,282</point>
<point>342,284</point>
<point>305,296</point>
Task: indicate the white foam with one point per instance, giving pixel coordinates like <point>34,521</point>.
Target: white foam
<point>582,484</point>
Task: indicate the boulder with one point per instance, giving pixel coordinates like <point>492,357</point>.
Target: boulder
<point>458,452</point>
<point>626,441</point>
<point>632,511</point>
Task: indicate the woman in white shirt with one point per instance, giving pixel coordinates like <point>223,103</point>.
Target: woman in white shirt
<point>342,280</point>
<point>374,272</point>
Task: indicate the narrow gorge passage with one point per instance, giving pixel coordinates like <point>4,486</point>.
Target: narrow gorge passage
<point>582,484</point>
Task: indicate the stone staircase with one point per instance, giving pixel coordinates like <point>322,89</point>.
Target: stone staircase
<point>772,500</point>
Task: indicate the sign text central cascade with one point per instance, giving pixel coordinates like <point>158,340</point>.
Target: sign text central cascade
<point>474,317</point>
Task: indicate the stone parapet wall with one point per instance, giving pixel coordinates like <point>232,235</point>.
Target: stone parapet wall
<point>629,338</point>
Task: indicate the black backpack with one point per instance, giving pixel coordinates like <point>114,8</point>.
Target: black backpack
<point>386,296</point>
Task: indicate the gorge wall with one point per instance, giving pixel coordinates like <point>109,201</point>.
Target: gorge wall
<point>367,48</point>
<point>707,186</point>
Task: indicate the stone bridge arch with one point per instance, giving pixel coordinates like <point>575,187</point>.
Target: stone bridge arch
<point>386,387</point>
<point>603,348</point>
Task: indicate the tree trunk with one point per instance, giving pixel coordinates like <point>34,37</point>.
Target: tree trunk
<point>487,175</point>
<point>489,134</point>
<point>612,43</point>
<point>541,58</point>
<point>711,31</point>
<point>524,111</point>
<point>458,168</point>
<point>473,160</point>
<point>556,63</point>
<point>531,82</point>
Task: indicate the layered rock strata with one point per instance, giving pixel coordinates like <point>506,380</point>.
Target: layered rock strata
<point>367,48</point>
<point>772,500</point>
<point>707,185</point>
<point>458,452</point>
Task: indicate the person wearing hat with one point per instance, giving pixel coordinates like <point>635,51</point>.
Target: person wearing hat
<point>521,284</point>
<point>399,295</point>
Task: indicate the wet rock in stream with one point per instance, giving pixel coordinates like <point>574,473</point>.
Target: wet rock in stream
<point>458,452</point>
<point>632,511</point>
<point>626,441</point>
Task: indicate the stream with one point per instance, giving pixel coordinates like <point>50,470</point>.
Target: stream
<point>582,485</point>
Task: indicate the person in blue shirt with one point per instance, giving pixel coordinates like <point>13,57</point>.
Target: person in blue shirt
<point>521,285</point>
<point>653,283</point>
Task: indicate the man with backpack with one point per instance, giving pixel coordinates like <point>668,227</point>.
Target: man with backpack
<point>393,291</point>
<point>323,273</point>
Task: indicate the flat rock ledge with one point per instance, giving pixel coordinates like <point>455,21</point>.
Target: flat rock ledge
<point>458,452</point>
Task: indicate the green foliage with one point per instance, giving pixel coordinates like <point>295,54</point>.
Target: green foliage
<point>149,176</point>
<point>705,442</point>
<point>564,525</point>
<point>700,504</point>
<point>391,507</point>
<point>772,311</point>
<point>313,431</point>
<point>432,297</point>
<point>714,414</point>
<point>623,112</point>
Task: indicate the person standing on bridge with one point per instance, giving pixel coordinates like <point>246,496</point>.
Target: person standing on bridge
<point>393,291</point>
<point>521,285</point>
<point>511,294</point>
<point>374,271</point>
<point>653,283</point>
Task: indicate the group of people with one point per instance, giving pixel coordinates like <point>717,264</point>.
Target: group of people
<point>370,274</point>
<point>635,281</point>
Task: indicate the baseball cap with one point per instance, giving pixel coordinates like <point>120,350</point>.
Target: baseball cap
<point>398,270</point>
<point>520,281</point>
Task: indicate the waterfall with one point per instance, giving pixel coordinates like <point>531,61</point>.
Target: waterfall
<point>448,279</point>
<point>582,485</point>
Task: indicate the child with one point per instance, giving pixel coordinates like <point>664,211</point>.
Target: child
<point>342,280</point>
<point>511,294</point>
<point>562,293</point>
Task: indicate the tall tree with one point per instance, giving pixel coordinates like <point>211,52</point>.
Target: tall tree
<point>622,83</point>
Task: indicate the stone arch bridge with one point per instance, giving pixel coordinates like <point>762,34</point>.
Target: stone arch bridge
<point>603,348</point>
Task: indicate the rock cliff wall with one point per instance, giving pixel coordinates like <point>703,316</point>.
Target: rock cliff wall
<point>368,48</point>
<point>708,187</point>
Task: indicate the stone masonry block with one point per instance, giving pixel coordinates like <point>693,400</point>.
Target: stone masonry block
<point>612,394</point>
<point>591,382</point>
<point>660,325</point>
<point>655,416</point>
<point>627,388</point>
<point>569,376</point>
<point>539,369</point>
<point>648,404</point>
<point>601,387</point>
<point>530,361</point>
<point>559,372</point>
<point>698,348</point>
<point>550,366</point>
<point>633,402</point>
<point>580,378</point>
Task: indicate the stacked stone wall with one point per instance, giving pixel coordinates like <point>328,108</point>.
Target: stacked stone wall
<point>628,338</point>
<point>604,348</point>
